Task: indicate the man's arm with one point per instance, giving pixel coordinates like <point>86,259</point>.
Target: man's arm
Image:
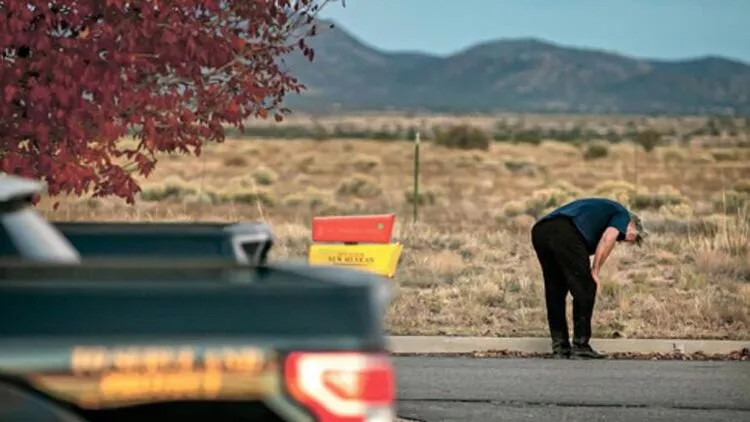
<point>606,243</point>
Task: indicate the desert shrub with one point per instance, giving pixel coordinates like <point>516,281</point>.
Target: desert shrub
<point>727,251</point>
<point>613,185</point>
<point>702,158</point>
<point>731,201</point>
<point>311,198</point>
<point>513,208</point>
<point>618,190</point>
<point>595,150</point>
<point>742,186</point>
<point>244,196</point>
<point>544,200</point>
<point>611,292</point>
<point>522,167</point>
<point>682,226</point>
<point>648,139</point>
<point>360,186</point>
<point>172,188</point>
<point>265,176</point>
<point>305,162</point>
<point>250,150</point>
<point>561,148</point>
<point>293,200</point>
<point>386,133</point>
<point>665,195</point>
<point>468,160</point>
<point>529,136</point>
<point>269,131</point>
<point>316,198</point>
<point>319,132</point>
<point>206,198</point>
<point>709,225</point>
<point>726,155</point>
<point>540,202</point>
<point>93,203</point>
<point>365,163</point>
<point>261,176</point>
<point>681,210</point>
<point>235,161</point>
<point>310,164</point>
<point>673,155</point>
<point>569,189</point>
<point>302,179</point>
<point>522,222</point>
<point>424,196</point>
<point>463,137</point>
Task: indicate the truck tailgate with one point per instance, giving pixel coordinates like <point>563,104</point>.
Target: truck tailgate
<point>99,339</point>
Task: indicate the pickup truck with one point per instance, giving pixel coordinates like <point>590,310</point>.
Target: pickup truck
<point>247,243</point>
<point>182,338</point>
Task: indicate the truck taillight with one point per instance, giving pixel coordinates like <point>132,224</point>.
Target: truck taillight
<point>343,386</point>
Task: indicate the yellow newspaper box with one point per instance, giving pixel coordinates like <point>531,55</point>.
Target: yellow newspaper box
<point>361,241</point>
<point>381,259</point>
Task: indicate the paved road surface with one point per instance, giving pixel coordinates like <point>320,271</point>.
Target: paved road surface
<point>463,389</point>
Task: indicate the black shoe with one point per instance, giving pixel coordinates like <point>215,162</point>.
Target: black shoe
<point>561,354</point>
<point>584,351</point>
<point>560,349</point>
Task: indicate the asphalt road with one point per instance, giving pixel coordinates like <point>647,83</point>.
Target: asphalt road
<point>463,389</point>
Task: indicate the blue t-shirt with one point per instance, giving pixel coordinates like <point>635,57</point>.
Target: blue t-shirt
<point>592,216</point>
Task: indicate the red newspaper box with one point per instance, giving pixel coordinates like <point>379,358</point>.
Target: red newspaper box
<point>353,229</point>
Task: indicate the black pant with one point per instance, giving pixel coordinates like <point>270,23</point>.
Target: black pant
<point>564,258</point>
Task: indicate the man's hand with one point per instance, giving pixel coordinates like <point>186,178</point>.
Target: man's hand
<point>595,275</point>
<point>606,243</point>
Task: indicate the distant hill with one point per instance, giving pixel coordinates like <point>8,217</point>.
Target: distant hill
<point>513,75</point>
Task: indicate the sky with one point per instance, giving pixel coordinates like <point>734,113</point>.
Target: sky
<point>650,29</point>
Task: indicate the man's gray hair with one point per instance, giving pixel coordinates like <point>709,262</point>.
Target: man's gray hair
<point>640,231</point>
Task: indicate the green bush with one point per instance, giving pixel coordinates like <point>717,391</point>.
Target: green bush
<point>252,197</point>
<point>311,198</point>
<point>265,176</point>
<point>173,188</point>
<point>596,150</point>
<point>543,201</point>
<point>424,197</point>
<point>513,209</point>
<point>648,139</point>
<point>365,163</point>
<point>463,137</point>
<point>525,167</point>
<point>319,132</point>
<point>530,136</point>
<point>619,190</point>
<point>360,186</point>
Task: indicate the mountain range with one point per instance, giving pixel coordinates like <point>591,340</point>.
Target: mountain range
<point>521,75</point>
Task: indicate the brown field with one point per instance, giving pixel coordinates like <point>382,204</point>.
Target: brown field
<point>468,267</point>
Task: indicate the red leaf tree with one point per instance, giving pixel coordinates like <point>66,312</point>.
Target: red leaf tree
<point>77,77</point>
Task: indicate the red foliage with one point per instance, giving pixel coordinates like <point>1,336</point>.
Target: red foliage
<point>77,77</point>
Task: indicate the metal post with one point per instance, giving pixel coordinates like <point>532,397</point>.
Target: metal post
<point>635,174</point>
<point>416,175</point>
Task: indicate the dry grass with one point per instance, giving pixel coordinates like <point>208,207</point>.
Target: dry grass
<point>468,267</point>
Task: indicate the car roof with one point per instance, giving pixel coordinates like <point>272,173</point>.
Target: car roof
<point>14,188</point>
